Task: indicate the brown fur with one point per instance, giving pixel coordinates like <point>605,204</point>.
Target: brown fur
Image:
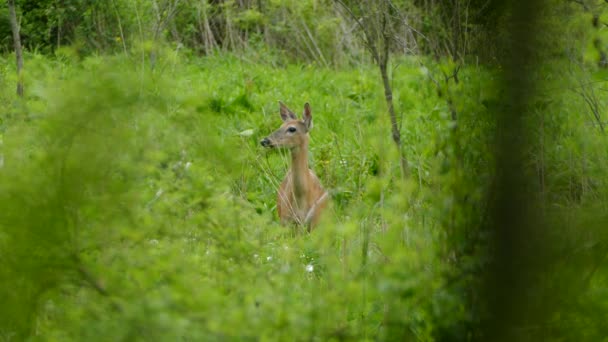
<point>301,198</point>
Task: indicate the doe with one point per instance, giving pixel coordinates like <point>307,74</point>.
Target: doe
<point>301,197</point>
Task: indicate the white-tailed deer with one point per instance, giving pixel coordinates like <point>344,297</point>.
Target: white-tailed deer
<point>301,197</point>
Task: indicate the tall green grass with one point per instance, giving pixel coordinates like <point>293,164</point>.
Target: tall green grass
<point>136,203</point>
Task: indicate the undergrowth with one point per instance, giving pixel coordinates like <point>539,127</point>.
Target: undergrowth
<point>137,204</point>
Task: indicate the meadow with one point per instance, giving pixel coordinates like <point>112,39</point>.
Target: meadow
<point>138,204</point>
<point>146,206</point>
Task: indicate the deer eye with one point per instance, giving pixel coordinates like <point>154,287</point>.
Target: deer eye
<point>291,129</point>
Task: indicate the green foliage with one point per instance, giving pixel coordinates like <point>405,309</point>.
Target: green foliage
<point>46,25</point>
<point>146,196</point>
<point>136,203</point>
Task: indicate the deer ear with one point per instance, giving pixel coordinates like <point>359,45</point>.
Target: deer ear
<point>286,113</point>
<point>307,116</point>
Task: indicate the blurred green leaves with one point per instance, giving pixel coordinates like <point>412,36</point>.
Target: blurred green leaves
<point>65,187</point>
<point>136,203</point>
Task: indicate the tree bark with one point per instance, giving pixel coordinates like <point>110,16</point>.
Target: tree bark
<point>372,42</point>
<point>519,256</point>
<point>17,44</point>
<point>382,61</point>
<point>395,132</point>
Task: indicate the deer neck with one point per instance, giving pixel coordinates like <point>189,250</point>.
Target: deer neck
<point>299,171</point>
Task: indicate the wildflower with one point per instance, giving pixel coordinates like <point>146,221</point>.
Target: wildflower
<point>310,268</point>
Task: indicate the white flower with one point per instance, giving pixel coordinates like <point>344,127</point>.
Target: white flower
<point>310,268</point>
<point>187,166</point>
<point>255,256</point>
<point>268,258</point>
<point>153,242</point>
<point>159,193</point>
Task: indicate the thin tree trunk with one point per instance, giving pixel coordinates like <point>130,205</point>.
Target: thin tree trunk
<point>314,43</point>
<point>382,61</point>
<point>205,31</point>
<point>122,35</point>
<point>388,94</point>
<point>17,45</point>
<point>396,133</point>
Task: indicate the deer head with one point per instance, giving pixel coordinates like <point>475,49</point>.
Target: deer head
<point>293,133</point>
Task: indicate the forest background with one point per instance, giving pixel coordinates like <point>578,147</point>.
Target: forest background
<point>463,143</point>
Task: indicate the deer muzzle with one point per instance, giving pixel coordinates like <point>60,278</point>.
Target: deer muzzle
<point>266,142</point>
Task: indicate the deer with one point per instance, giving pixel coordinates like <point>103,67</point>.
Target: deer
<point>301,197</point>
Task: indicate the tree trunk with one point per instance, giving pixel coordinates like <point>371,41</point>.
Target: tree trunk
<point>17,45</point>
<point>396,133</point>
<point>388,92</point>
<point>519,255</point>
<point>377,38</point>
